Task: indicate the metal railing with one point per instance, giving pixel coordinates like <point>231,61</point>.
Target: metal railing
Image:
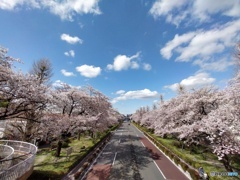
<point>6,154</point>
<point>24,154</point>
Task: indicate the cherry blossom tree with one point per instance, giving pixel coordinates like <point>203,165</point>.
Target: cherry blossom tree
<point>42,111</point>
<point>224,124</point>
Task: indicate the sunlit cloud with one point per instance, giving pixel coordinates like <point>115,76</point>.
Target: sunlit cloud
<point>89,71</point>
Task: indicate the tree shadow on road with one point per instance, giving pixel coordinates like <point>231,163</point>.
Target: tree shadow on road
<point>131,158</point>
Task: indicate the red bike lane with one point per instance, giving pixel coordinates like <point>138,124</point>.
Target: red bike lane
<point>170,171</point>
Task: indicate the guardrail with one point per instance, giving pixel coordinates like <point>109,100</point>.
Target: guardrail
<point>23,151</point>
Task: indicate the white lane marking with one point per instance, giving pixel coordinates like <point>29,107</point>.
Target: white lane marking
<point>119,141</point>
<point>121,134</point>
<point>94,162</point>
<point>168,158</point>
<point>114,158</point>
<point>159,170</point>
<point>107,153</point>
<point>139,130</point>
<point>142,144</point>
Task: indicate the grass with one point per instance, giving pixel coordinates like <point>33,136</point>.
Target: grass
<point>209,161</point>
<point>46,164</point>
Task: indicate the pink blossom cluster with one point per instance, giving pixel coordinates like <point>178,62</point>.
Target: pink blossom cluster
<point>205,116</point>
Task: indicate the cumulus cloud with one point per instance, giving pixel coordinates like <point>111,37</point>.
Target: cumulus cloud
<point>123,62</point>
<point>70,53</point>
<point>202,43</point>
<point>198,10</point>
<point>198,80</point>
<point>70,39</point>
<point>147,67</point>
<point>66,73</point>
<point>89,71</point>
<point>138,94</point>
<point>64,9</point>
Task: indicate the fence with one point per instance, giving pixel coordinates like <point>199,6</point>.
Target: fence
<point>24,153</point>
<point>6,154</point>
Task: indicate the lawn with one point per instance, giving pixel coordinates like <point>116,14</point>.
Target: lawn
<point>47,166</point>
<point>50,167</point>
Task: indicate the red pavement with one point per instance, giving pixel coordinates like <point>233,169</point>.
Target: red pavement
<point>170,171</point>
<point>99,172</point>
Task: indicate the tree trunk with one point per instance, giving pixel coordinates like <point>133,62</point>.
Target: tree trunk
<point>226,163</point>
<point>79,134</point>
<point>59,147</point>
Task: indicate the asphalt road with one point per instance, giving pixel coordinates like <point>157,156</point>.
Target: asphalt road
<point>128,157</point>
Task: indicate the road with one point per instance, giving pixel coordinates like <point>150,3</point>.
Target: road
<point>130,155</point>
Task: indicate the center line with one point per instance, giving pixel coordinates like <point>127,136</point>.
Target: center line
<point>114,158</point>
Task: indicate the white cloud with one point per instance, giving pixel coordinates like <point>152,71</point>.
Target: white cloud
<point>65,9</point>
<point>12,4</point>
<point>123,62</point>
<point>61,84</point>
<point>213,65</point>
<point>66,73</point>
<point>147,67</point>
<point>176,11</point>
<point>58,84</point>
<point>204,8</point>
<point>134,65</point>
<point>89,71</point>
<point>70,53</point>
<point>164,7</point>
<point>120,92</point>
<point>202,43</point>
<point>138,94</point>
<point>177,40</point>
<point>196,81</point>
<point>71,40</point>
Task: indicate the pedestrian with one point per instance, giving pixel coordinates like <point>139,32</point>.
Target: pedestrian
<point>202,174</point>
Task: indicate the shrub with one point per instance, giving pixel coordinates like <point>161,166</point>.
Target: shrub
<point>176,160</point>
<point>53,145</point>
<point>167,152</point>
<point>65,145</point>
<point>90,159</point>
<point>177,144</point>
<point>85,165</point>
<point>171,155</point>
<point>78,173</point>
<point>194,175</point>
<point>184,166</point>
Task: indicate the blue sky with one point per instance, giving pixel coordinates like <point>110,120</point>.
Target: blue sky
<point>132,51</point>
